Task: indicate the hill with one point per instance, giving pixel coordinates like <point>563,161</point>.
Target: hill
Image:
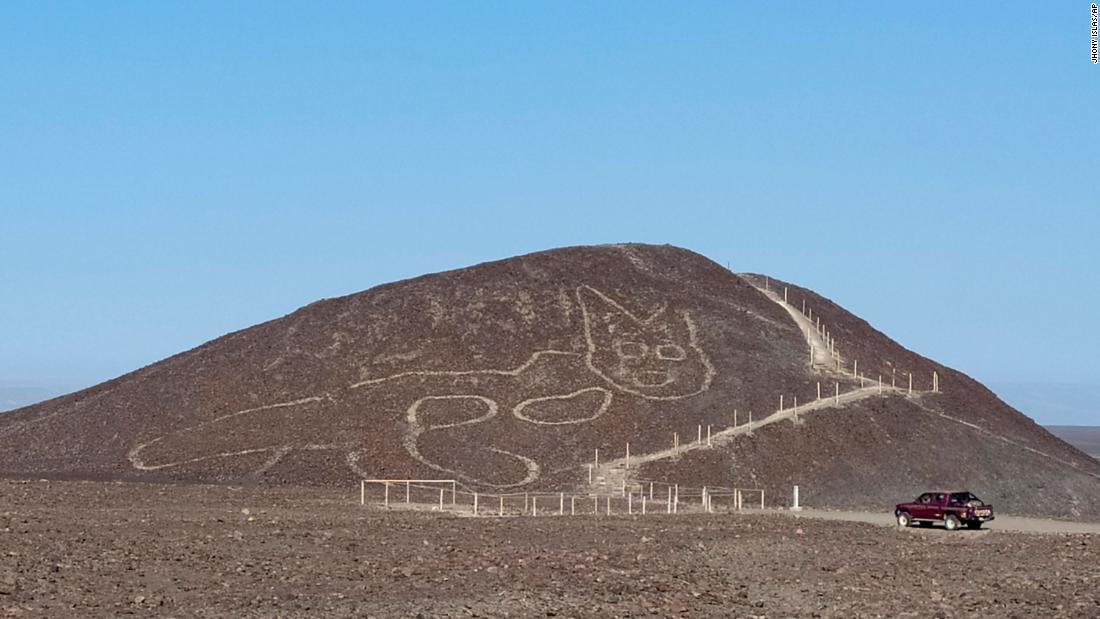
<point>509,375</point>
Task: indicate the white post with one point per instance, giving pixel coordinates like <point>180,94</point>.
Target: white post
<point>407,486</point>
<point>675,440</point>
<point>735,417</point>
<point>441,499</point>
<point>386,485</point>
<point>501,505</point>
<point>589,473</point>
<point>525,502</point>
<point>910,383</point>
<point>668,504</point>
<point>643,503</point>
<point>650,491</point>
<point>623,491</point>
<point>704,499</point>
<point>855,367</point>
<point>750,423</point>
<point>819,389</point>
<point>811,354</point>
<point>784,294</point>
<point>597,461</point>
<point>609,505</point>
<point>880,383</point>
<point>676,498</point>
<point>596,504</point>
<point>630,504</point>
<point>475,503</point>
<point>561,504</point>
<point>535,505</point>
<point>572,506</point>
<point>628,455</point>
<point>708,435</point>
<point>362,492</point>
<point>838,394</point>
<point>699,434</point>
<point>803,307</point>
<point>795,506</point>
<point>861,381</point>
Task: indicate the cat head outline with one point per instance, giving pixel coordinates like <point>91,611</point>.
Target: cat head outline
<point>657,357</point>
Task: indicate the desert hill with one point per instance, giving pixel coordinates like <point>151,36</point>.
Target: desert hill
<point>509,375</point>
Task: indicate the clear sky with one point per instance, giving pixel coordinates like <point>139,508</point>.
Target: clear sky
<point>170,172</point>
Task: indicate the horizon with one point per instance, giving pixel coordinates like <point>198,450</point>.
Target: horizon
<point>172,174</point>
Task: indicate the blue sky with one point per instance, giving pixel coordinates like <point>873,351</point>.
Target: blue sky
<point>170,172</point>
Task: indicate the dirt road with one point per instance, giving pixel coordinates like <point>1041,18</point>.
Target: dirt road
<point>1005,523</point>
<point>106,549</point>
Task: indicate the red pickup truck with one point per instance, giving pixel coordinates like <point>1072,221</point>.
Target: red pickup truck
<point>953,509</point>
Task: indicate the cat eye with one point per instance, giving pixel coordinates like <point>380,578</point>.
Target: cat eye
<point>631,350</point>
<point>671,352</point>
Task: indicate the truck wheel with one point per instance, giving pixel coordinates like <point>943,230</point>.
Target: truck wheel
<point>904,520</point>
<point>951,522</point>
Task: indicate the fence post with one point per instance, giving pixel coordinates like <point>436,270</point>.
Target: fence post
<point>596,504</point>
<point>407,486</point>
<point>781,402</point>
<point>650,491</point>
<point>910,383</point>
<point>535,505</point>
<point>561,504</point>
<point>386,485</point>
<point>628,455</point>
<point>819,389</point>
<point>525,502</point>
<point>708,435</point>
<point>668,504</point>
<point>454,494</point>
<point>699,433</point>
<point>475,503</point>
<point>597,461</point>
<point>880,383</point>
<point>589,473</point>
<point>795,506</point>
<point>704,499</point>
<point>676,498</point>
<point>572,506</point>
<point>838,394</point>
<point>441,499</point>
<point>630,504</point>
<point>362,492</point>
<point>609,505</point>
<point>643,503</point>
<point>855,367</point>
<point>501,497</point>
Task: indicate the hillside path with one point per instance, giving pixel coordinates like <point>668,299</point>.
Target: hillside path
<point>814,340</point>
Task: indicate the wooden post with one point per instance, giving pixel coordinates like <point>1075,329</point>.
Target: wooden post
<point>525,502</point>
<point>643,503</point>
<point>386,485</point>
<point>699,434</point>
<point>784,294</point>
<point>475,503</point>
<point>441,499</point>
<point>704,499</point>
<point>454,494</point>
<point>910,383</point>
<point>650,491</point>
<point>589,473</point>
<point>609,505</point>
<point>628,455</point>
<point>676,498</point>
<point>561,504</point>
<point>630,504</point>
<point>572,506</point>
<point>407,486</point>
<point>780,402</point>
<point>855,367</point>
<point>708,435</point>
<point>838,394</point>
<point>535,505</point>
<point>597,461</point>
<point>819,389</point>
<point>668,504</point>
<point>362,492</point>
<point>501,505</point>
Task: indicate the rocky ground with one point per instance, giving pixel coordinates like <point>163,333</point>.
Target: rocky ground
<point>104,549</point>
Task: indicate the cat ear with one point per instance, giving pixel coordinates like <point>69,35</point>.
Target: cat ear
<point>603,314</point>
